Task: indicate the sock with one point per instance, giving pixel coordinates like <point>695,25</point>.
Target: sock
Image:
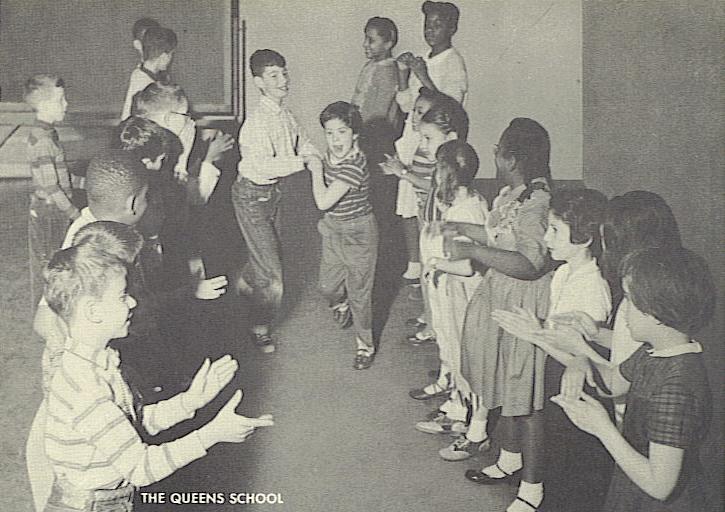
<point>532,493</point>
<point>260,329</point>
<point>477,430</point>
<point>361,345</point>
<point>443,378</point>
<point>508,461</point>
<point>413,270</point>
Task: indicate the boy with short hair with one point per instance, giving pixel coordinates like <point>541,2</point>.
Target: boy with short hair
<point>273,146</point>
<point>91,433</point>
<point>51,207</point>
<point>139,29</point>
<point>157,46</point>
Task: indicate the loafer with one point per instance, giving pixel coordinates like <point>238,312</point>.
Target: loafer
<point>463,448</point>
<point>421,338</point>
<point>263,342</point>
<point>363,360</point>
<point>421,394</point>
<point>439,423</point>
<point>416,322</point>
<point>482,478</point>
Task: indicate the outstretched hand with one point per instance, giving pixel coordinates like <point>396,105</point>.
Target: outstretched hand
<point>218,146</point>
<point>587,413</point>
<point>230,427</point>
<point>209,381</point>
<point>579,321</point>
<point>521,323</point>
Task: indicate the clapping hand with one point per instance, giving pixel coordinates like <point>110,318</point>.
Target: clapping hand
<point>579,321</point>
<point>520,322</point>
<point>587,413</point>
<point>572,381</point>
<point>392,165</point>
<point>209,381</point>
<point>230,427</point>
<point>457,249</point>
<point>569,340</point>
<point>210,289</point>
<point>218,146</point>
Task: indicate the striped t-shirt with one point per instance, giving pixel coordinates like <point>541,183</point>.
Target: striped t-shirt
<point>352,171</point>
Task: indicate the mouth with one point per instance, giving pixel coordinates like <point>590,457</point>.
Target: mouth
<point>337,149</point>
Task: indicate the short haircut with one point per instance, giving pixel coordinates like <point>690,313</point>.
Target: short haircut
<point>143,137</point>
<point>385,27</point>
<point>262,59</point>
<point>157,98</point>
<point>141,26</point>
<point>39,87</point>
<point>157,41</point>
<point>345,112</point>
<point>445,10</point>
<point>115,238</point>
<point>112,178</point>
<point>528,142</point>
<point>448,115</point>
<point>463,162</point>
<point>583,210</point>
<point>675,286</point>
<point>75,272</point>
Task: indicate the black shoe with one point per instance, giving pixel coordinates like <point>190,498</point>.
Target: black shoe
<point>482,478</point>
<point>420,393</point>
<point>415,322</point>
<point>420,338</point>
<point>263,342</point>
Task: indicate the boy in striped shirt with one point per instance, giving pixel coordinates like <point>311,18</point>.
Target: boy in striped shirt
<point>341,187</point>
<point>91,436</point>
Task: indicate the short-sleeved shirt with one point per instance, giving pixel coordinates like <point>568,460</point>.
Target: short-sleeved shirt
<point>668,403</point>
<point>375,91</point>
<point>447,71</point>
<point>352,171</point>
<point>583,289</point>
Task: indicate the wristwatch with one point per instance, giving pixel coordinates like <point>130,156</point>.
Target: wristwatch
<point>404,171</point>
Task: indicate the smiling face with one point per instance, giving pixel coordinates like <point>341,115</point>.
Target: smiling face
<point>422,105</point>
<point>340,137</point>
<point>114,307</point>
<point>558,240</point>
<point>274,82</point>
<point>431,138</point>
<point>376,48</point>
<point>437,30</point>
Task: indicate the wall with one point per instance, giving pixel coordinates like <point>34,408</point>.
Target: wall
<point>653,121</point>
<point>523,59</point>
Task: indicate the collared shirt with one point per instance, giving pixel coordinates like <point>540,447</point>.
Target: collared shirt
<point>447,71</point>
<point>583,289</point>
<point>89,436</point>
<point>51,179</point>
<point>375,91</point>
<point>272,144</point>
<point>140,79</point>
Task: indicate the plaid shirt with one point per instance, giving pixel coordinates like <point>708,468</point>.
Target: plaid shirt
<point>51,179</point>
<point>90,438</point>
<point>272,144</point>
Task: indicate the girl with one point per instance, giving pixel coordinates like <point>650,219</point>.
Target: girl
<point>503,371</point>
<point>669,296</point>
<point>348,228</point>
<point>450,284</point>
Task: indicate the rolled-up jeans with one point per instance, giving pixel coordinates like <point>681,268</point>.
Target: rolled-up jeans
<point>255,207</point>
<point>347,267</point>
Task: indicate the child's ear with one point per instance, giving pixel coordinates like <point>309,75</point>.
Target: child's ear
<point>137,45</point>
<point>452,136</point>
<point>132,205</point>
<point>88,308</point>
<point>258,82</point>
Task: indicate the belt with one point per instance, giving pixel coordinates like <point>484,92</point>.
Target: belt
<point>65,494</point>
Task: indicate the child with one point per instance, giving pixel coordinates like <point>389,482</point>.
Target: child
<point>443,69</point>
<point>501,370</point>
<point>348,228</point>
<point>90,436</point>
<point>157,47</point>
<point>451,283</point>
<point>139,29</point>
<point>272,146</point>
<point>669,297</point>
<point>51,207</point>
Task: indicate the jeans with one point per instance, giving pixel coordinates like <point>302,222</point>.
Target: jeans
<point>347,267</point>
<point>46,229</point>
<point>256,207</point>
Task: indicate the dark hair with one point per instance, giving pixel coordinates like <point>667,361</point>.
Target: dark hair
<point>445,10</point>
<point>39,87</point>
<point>385,27</point>
<point>463,161</point>
<point>448,115</point>
<point>115,238</point>
<point>77,271</point>
<point>144,137</point>
<point>345,112</point>
<point>635,220</point>
<point>528,142</point>
<point>583,210</point>
<point>157,97</point>
<point>141,26</point>
<point>673,285</point>
<point>156,41</point>
<point>113,178</point>
<point>265,58</point>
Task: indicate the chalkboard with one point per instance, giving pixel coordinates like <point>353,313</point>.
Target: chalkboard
<point>89,44</point>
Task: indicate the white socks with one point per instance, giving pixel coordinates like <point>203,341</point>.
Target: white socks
<point>413,270</point>
<point>531,493</point>
<point>477,430</point>
<point>508,461</point>
<point>370,349</point>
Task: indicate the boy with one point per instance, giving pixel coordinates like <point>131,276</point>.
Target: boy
<point>91,433</point>
<point>51,209</point>
<point>138,31</point>
<point>349,230</point>
<point>158,45</point>
<point>272,146</point>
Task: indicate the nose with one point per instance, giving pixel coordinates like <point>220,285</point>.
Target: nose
<point>131,302</point>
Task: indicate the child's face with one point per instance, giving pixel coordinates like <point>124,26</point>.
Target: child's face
<point>114,307</point>
<point>55,106</point>
<point>436,30</point>
<point>442,173</point>
<point>431,138</point>
<point>558,240</point>
<point>274,82</point>
<point>376,48</point>
<point>340,137</point>
<point>422,105</point>
<point>164,60</point>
